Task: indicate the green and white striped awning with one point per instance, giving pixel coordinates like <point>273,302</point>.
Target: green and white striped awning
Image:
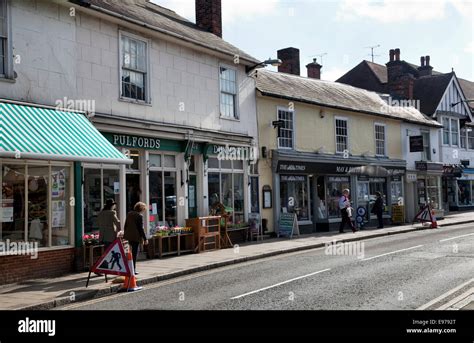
<point>29,132</point>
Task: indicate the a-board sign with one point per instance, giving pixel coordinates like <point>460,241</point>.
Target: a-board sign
<point>288,225</point>
<point>113,261</point>
<point>424,215</point>
<point>398,214</point>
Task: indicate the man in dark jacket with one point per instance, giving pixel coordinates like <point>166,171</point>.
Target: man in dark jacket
<point>134,231</point>
<point>378,209</point>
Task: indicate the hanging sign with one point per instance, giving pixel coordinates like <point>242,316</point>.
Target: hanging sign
<point>416,143</point>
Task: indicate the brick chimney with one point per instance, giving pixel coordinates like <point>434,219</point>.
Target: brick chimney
<point>400,81</point>
<point>209,16</point>
<point>425,68</point>
<point>291,61</point>
<point>314,70</point>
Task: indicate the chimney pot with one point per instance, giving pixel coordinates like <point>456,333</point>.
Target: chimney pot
<point>397,54</point>
<point>422,60</point>
<point>314,70</point>
<point>290,58</point>
<point>392,55</point>
<point>427,59</point>
<point>209,16</point>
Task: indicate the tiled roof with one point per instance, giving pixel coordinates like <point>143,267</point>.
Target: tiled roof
<point>334,95</point>
<point>430,90</point>
<point>168,22</point>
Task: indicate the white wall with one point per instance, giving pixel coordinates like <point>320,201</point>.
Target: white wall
<point>77,57</point>
<point>415,130</point>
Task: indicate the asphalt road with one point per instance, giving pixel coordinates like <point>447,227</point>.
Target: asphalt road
<point>399,272</point>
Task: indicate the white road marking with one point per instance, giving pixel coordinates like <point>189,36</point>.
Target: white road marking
<point>390,253</point>
<point>449,239</point>
<point>445,295</point>
<point>281,283</point>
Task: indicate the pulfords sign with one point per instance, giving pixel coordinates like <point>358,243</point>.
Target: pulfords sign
<point>136,142</point>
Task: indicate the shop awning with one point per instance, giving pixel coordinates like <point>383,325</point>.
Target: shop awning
<point>29,132</point>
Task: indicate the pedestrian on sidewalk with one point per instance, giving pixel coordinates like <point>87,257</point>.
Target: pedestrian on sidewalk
<point>134,231</point>
<point>346,211</point>
<point>108,223</point>
<point>377,209</point>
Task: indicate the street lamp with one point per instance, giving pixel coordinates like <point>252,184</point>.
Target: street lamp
<point>271,61</point>
<point>457,103</point>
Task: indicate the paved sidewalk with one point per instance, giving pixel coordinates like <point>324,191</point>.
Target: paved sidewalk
<point>52,292</point>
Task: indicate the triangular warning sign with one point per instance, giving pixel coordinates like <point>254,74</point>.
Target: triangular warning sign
<point>113,261</point>
<point>424,215</point>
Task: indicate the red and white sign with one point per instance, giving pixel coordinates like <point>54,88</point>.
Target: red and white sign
<point>424,215</point>
<point>113,261</point>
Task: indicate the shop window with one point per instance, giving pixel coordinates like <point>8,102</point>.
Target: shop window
<point>335,186</point>
<point>464,192</point>
<point>226,164</point>
<point>99,185</point>
<point>170,161</point>
<point>396,192</point>
<point>60,210</point>
<point>433,192</point>
<point>321,208</point>
<point>378,185</point>
<point>134,155</point>
<point>238,198</point>
<point>47,211</point>
<point>342,135</point>
<point>254,200</point>
<point>13,210</point>
<point>294,196</point>
<point>163,200</point>
<point>238,165</point>
<point>213,163</point>
<point>155,160</point>
<point>363,192</point>
<point>286,131</point>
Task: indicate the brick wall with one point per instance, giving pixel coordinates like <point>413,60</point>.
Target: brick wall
<point>51,263</point>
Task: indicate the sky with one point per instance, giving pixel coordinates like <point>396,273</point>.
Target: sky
<point>339,32</point>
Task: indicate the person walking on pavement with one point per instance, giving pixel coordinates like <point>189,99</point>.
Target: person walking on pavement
<point>378,209</point>
<point>345,208</point>
<point>108,223</point>
<point>134,231</point>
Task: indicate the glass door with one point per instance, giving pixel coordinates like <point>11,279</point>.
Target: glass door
<point>192,203</point>
<point>133,190</point>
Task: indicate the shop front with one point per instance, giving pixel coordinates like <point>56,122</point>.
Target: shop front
<point>428,187</point>
<point>311,187</point>
<point>178,179</point>
<point>40,155</point>
<point>459,185</point>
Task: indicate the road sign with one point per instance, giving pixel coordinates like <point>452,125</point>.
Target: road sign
<point>113,261</point>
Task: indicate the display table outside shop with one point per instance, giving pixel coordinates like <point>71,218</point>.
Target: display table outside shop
<point>205,228</point>
<point>88,253</point>
<point>159,246</point>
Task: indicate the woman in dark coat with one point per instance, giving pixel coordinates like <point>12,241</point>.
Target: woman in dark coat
<point>134,231</point>
<point>378,209</point>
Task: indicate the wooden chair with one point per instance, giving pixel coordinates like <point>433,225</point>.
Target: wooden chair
<point>204,229</point>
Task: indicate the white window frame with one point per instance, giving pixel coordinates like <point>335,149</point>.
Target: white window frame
<point>450,143</point>
<point>147,100</point>
<point>8,59</point>
<point>423,157</point>
<point>236,99</point>
<point>348,148</point>
<point>384,139</point>
<point>293,140</point>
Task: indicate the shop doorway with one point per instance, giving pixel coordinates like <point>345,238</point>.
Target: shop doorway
<point>133,190</point>
<point>192,203</point>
